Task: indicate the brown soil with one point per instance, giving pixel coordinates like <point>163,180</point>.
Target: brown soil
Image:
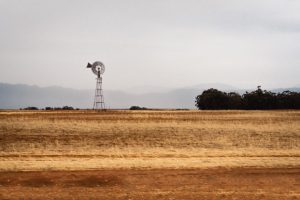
<point>213,183</point>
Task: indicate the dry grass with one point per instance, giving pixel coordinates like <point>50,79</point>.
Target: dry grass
<point>150,155</point>
<point>148,139</point>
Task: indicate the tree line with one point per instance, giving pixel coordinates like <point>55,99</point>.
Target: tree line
<point>49,108</point>
<point>213,99</point>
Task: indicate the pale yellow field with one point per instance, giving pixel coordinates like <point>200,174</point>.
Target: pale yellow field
<point>150,155</point>
<point>71,140</point>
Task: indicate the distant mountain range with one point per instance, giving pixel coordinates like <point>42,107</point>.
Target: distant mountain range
<point>14,96</point>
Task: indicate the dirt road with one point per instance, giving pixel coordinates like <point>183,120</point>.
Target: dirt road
<point>213,183</point>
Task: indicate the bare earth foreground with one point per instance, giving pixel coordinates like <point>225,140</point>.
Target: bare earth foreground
<point>150,155</point>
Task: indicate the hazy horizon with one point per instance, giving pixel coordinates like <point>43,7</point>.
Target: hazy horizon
<point>155,88</point>
<point>168,44</point>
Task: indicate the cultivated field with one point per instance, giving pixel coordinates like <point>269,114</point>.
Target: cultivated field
<point>150,155</point>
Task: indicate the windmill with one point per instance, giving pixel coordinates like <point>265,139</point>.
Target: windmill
<point>98,69</point>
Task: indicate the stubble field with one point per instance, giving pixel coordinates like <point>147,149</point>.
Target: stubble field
<point>150,155</point>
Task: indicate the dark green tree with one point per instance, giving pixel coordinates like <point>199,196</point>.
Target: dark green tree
<point>235,100</point>
<point>256,100</point>
<point>288,100</point>
<point>212,99</point>
<point>260,100</point>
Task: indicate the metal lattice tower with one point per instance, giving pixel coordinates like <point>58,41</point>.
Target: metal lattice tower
<point>99,98</point>
<point>98,69</point>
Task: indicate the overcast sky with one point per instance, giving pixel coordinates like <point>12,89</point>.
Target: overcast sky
<point>167,43</point>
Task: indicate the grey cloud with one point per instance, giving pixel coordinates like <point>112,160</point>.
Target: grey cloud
<point>172,43</point>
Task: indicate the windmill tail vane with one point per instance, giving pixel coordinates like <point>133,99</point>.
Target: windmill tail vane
<point>89,65</point>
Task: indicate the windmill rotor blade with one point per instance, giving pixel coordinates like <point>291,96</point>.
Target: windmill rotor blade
<point>98,66</point>
<point>94,70</point>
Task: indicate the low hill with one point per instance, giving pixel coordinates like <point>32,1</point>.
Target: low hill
<point>14,96</point>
